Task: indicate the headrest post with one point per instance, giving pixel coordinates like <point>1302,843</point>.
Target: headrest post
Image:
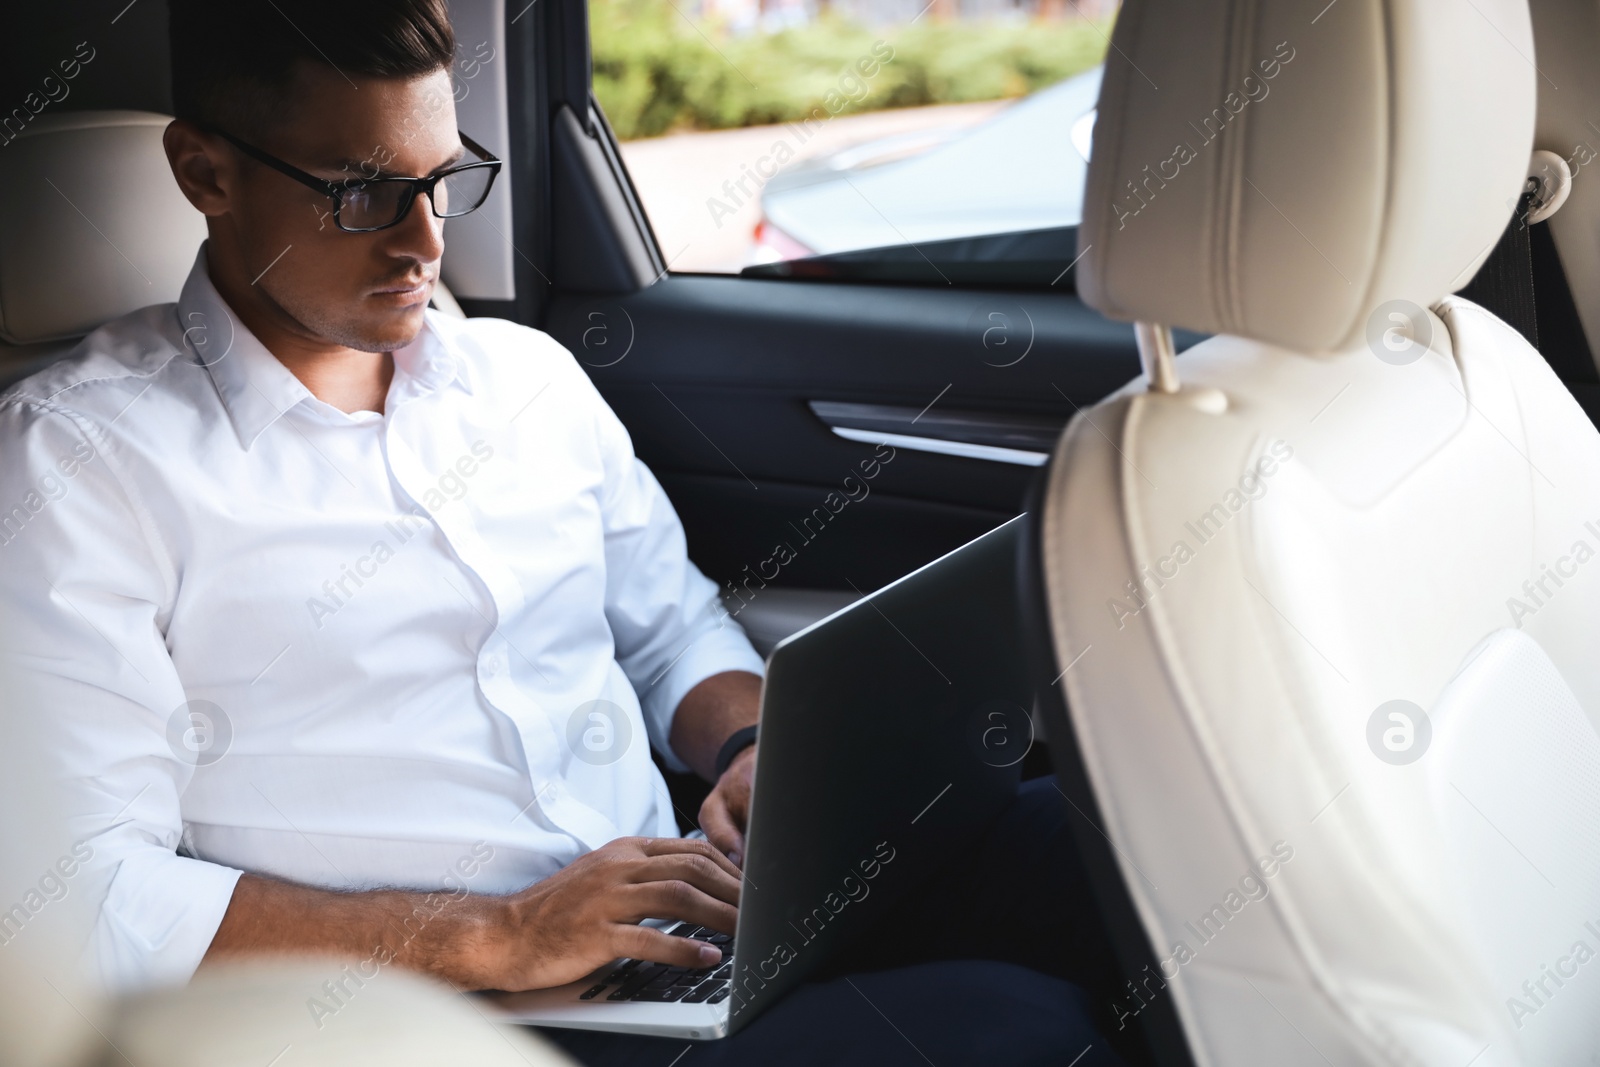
<point>1157,356</point>
<point>1550,180</point>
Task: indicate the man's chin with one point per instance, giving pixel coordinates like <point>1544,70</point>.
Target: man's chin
<point>386,331</point>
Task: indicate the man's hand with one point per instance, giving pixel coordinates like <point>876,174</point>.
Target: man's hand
<point>558,930</point>
<point>707,716</point>
<point>553,932</point>
<point>726,811</point>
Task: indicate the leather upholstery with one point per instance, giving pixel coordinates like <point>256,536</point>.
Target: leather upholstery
<point>72,254</point>
<point>1259,173</point>
<point>1242,576</point>
<point>1229,712</point>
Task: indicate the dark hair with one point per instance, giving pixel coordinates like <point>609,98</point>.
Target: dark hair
<point>233,61</point>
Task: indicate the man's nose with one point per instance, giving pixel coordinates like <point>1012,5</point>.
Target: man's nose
<point>421,232</point>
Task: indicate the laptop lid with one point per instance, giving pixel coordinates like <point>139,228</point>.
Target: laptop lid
<point>892,734</point>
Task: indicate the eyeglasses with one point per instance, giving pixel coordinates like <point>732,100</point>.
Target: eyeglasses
<point>362,205</point>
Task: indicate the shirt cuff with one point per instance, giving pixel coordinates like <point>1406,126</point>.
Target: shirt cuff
<point>159,918</point>
<point>724,649</point>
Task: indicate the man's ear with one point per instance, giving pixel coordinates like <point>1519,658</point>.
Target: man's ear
<point>201,165</point>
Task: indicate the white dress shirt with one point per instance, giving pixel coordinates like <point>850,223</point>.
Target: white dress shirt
<point>429,648</point>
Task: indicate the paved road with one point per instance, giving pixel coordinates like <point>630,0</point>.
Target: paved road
<point>678,175</point>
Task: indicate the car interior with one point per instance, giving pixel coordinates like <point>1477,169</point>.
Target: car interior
<point>1205,709</point>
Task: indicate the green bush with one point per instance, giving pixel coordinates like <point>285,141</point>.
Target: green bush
<point>654,72</point>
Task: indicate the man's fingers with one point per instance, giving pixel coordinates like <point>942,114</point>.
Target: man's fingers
<point>702,872</point>
<point>648,943</point>
<point>721,828</point>
<point>679,900</point>
<point>661,846</point>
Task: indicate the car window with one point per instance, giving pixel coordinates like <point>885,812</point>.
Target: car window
<point>768,136</point>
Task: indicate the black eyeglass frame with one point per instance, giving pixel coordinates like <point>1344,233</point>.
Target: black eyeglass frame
<point>335,190</point>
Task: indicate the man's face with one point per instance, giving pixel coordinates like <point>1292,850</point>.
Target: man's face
<point>365,291</point>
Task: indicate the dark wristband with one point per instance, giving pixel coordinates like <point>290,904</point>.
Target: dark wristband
<point>736,743</point>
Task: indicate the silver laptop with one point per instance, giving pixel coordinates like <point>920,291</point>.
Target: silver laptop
<point>892,733</point>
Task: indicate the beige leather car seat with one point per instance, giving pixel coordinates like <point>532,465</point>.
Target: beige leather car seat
<point>1324,591</point>
<point>92,226</point>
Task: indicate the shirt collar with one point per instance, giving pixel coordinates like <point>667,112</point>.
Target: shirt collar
<point>257,390</point>
<point>431,361</point>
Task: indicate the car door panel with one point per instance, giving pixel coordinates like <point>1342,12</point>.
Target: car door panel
<point>716,378</point>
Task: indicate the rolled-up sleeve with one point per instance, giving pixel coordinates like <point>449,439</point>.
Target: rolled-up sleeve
<point>84,590</point>
<point>668,623</point>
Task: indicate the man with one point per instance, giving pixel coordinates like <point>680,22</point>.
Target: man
<point>356,623</point>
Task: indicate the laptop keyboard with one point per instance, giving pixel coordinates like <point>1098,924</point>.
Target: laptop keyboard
<point>640,981</point>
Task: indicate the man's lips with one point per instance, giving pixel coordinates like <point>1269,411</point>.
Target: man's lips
<point>403,297</point>
<point>404,288</point>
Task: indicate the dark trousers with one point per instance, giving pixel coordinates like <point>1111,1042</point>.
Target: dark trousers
<point>998,959</point>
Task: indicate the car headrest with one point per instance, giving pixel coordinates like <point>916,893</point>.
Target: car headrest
<point>1261,172</point>
<point>92,224</point>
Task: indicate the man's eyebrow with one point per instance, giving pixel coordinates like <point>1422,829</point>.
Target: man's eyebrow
<point>365,168</point>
